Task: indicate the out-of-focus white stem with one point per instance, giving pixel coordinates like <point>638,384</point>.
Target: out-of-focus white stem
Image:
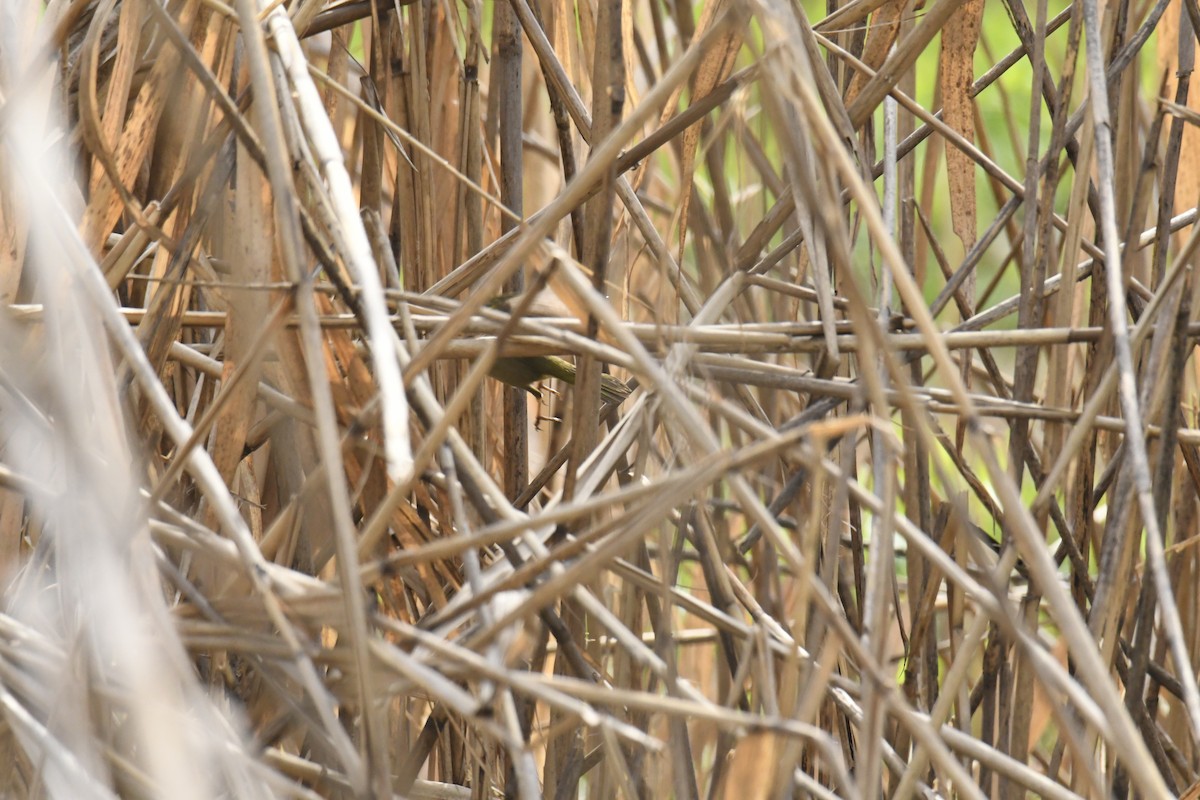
<point>357,248</point>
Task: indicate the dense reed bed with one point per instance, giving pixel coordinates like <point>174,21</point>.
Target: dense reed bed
<point>873,470</point>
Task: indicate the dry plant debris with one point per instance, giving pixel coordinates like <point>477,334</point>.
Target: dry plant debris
<point>866,478</point>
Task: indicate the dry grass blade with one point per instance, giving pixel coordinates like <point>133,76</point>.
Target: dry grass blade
<point>959,40</point>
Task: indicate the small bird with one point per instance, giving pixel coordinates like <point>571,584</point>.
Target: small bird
<point>525,371</point>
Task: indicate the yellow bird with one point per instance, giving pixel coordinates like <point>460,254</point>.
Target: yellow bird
<point>526,371</point>
<point>523,372</point>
